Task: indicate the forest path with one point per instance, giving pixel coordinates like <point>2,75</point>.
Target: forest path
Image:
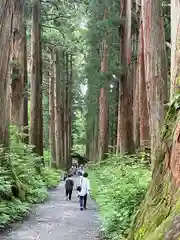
<point>58,219</point>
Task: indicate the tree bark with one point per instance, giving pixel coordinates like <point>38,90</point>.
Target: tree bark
<point>113,112</point>
<point>143,109</point>
<point>125,141</point>
<point>36,126</point>
<point>129,78</point>
<point>175,48</point>
<point>19,98</point>
<point>6,30</point>
<point>163,194</point>
<point>67,113</point>
<point>103,104</point>
<point>52,111</point>
<point>58,101</point>
<point>70,109</point>
<point>92,120</point>
<point>155,68</point>
<point>136,117</point>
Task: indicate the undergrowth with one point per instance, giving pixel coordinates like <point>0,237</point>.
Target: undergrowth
<point>118,186</point>
<point>23,179</point>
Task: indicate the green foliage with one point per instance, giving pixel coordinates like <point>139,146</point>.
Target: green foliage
<point>11,211</point>
<point>51,177</point>
<point>79,149</point>
<point>119,186</point>
<point>23,180</point>
<point>170,119</point>
<point>79,128</point>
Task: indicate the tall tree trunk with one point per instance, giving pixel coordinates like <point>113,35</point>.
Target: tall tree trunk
<point>36,126</point>
<point>25,99</point>
<point>62,92</point>
<point>175,49</point>
<point>19,98</point>
<point>136,105</point>
<point>92,121</point>
<point>143,109</point>
<point>175,89</point>
<point>70,109</point>
<point>113,112</point>
<point>136,75</point>
<point>58,101</point>
<point>103,110</point>
<point>67,97</point>
<point>163,194</point>
<point>155,68</point>
<point>125,141</point>
<point>103,104</point>
<point>115,125</point>
<point>52,111</point>
<point>65,113</point>
<point>6,31</point>
<point>129,78</point>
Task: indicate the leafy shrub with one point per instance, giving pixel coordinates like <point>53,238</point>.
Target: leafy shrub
<point>79,148</point>
<point>11,211</point>
<point>23,179</point>
<point>51,177</point>
<point>47,157</point>
<point>119,186</point>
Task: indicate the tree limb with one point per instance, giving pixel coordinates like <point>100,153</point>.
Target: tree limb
<point>53,27</point>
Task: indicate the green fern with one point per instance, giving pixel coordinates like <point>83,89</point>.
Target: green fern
<point>21,183</point>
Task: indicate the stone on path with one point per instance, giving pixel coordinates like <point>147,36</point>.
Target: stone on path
<point>58,219</point>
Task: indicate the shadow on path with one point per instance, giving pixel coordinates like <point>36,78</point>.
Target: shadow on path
<point>58,219</point>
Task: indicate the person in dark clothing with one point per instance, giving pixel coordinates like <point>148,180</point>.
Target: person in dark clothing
<point>69,184</point>
<point>85,201</point>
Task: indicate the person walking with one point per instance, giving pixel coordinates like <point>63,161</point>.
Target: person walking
<point>79,179</point>
<point>84,191</point>
<point>81,169</point>
<point>69,184</point>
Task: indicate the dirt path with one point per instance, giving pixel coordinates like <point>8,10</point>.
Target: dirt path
<point>58,219</point>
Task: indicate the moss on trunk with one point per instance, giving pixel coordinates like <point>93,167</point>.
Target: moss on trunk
<point>155,218</point>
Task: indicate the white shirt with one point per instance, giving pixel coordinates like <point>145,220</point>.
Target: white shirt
<point>85,186</point>
<point>79,179</point>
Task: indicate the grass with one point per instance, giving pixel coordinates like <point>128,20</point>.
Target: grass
<point>118,186</point>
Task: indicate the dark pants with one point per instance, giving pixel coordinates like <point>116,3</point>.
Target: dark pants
<point>83,201</point>
<point>69,193</point>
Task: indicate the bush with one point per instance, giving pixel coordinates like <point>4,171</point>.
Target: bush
<point>24,180</point>
<point>118,186</point>
<point>11,211</point>
<point>80,149</point>
<point>51,177</point>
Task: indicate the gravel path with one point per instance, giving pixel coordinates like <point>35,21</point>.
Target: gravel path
<point>58,219</point>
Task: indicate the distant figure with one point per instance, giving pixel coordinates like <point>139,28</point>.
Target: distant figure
<point>79,181</point>
<point>71,171</point>
<point>74,169</point>
<point>65,175</point>
<point>84,191</point>
<point>81,169</point>
<point>69,184</point>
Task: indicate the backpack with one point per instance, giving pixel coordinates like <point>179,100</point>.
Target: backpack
<point>79,188</point>
<point>69,184</point>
